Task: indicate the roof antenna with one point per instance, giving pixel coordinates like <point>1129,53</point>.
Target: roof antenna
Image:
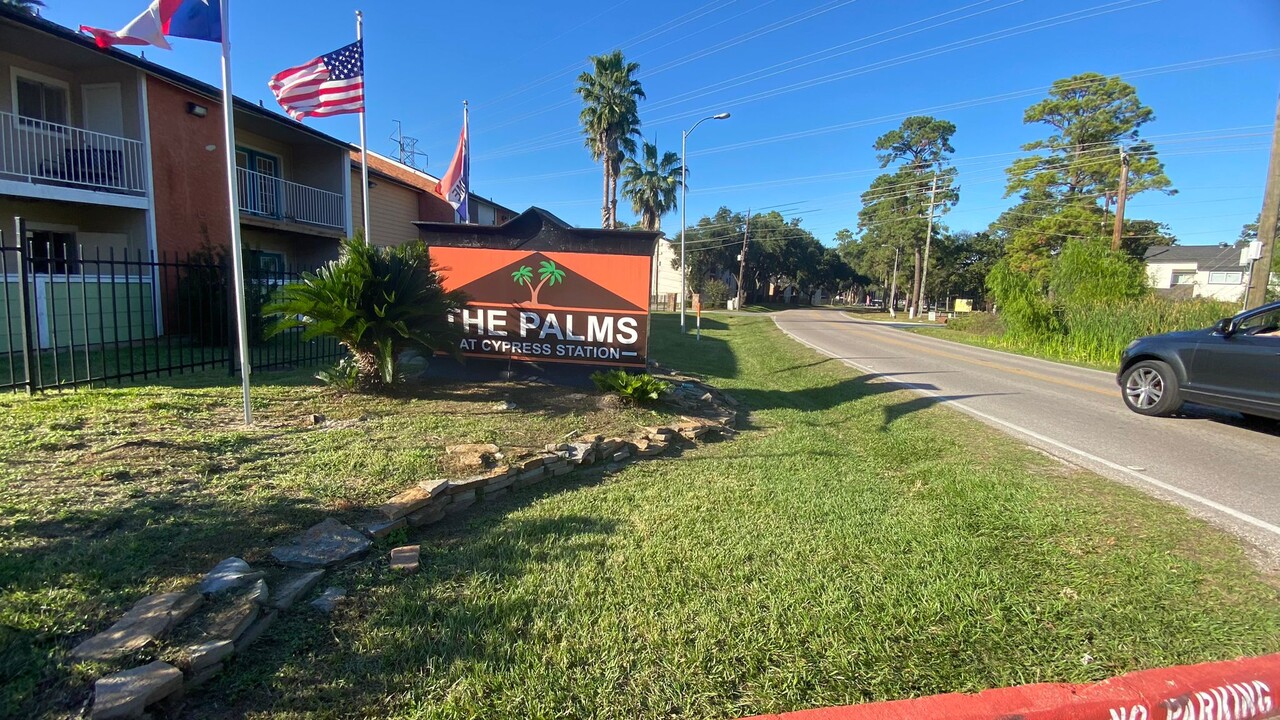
<point>408,148</point>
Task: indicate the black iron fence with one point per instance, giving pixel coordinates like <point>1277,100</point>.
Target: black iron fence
<point>84,316</point>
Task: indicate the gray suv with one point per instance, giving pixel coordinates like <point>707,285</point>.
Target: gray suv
<point>1234,365</point>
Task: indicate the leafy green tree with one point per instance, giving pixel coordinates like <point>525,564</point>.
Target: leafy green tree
<point>377,302</point>
<point>651,184</point>
<point>963,260</point>
<point>1089,272</point>
<point>895,210</point>
<point>27,6</point>
<point>1032,248</point>
<point>1092,117</point>
<point>1139,236</point>
<point>610,120</point>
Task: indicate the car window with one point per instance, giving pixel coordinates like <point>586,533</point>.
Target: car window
<point>1266,325</point>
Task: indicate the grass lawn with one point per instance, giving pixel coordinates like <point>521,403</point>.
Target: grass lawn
<point>857,544</point>
<point>108,495</point>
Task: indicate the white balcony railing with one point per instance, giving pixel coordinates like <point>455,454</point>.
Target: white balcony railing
<point>49,153</point>
<point>267,196</point>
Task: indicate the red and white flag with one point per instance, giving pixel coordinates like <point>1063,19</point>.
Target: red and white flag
<point>456,183</point>
<point>331,84</point>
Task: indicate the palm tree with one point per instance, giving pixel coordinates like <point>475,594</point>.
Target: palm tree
<point>651,185</point>
<point>29,6</point>
<point>610,120</point>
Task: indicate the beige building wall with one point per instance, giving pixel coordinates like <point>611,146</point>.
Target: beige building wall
<point>393,209</point>
<point>98,228</point>
<point>1205,284</point>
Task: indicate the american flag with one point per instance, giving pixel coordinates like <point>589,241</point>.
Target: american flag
<point>331,84</point>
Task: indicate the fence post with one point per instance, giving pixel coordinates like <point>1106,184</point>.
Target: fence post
<point>24,307</point>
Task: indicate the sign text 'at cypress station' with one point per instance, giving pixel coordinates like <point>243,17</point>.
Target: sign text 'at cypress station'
<point>539,290</point>
<point>567,335</point>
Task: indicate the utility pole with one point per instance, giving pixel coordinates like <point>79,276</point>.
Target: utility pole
<point>893,294</point>
<point>1260,274</point>
<point>742,259</point>
<point>927,238</point>
<point>1120,198</point>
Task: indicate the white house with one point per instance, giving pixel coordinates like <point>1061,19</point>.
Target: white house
<point>1208,271</point>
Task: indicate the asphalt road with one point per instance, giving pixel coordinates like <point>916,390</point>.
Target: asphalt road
<point>1213,463</point>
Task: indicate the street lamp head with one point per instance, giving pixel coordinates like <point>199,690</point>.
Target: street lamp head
<point>721,116</point>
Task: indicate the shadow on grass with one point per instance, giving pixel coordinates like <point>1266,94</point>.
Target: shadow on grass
<point>437,619</point>
<point>79,572</point>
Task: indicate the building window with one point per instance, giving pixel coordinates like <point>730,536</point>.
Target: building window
<point>1182,277</point>
<point>41,101</point>
<point>53,252</point>
<point>1226,278</point>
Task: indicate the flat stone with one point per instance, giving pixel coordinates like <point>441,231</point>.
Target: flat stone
<point>494,493</point>
<point>329,599</point>
<point>505,405</point>
<point>231,622</point>
<point>557,465</point>
<point>431,514</point>
<point>382,529</point>
<point>289,589</point>
<point>183,609</point>
<point>565,470</point>
<point>651,449</point>
<point>405,558</point>
<point>461,502</point>
<point>621,455</point>
<point>531,474</point>
<point>323,545</point>
<point>408,501</point>
<point>203,676</point>
<point>259,592</point>
<point>127,694</point>
<point>149,618</point>
<point>471,484</point>
<point>254,631</point>
<point>227,575</point>
<point>501,483</point>
<point>659,430</point>
<point>198,657</point>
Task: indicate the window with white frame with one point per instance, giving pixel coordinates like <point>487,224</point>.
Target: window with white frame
<point>1182,277</point>
<point>1226,278</point>
<point>42,99</point>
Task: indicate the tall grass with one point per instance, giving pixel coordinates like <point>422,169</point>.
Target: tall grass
<point>1097,302</point>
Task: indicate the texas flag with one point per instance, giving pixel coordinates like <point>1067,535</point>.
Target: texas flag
<point>194,19</point>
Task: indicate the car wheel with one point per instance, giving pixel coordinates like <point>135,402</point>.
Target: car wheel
<point>1151,388</point>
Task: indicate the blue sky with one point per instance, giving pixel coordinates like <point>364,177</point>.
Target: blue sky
<point>810,84</point>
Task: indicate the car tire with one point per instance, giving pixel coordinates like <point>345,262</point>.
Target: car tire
<point>1151,388</point>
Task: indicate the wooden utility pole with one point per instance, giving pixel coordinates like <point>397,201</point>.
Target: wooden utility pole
<point>1261,275</point>
<point>742,258</point>
<point>1120,198</point>
<point>928,237</point>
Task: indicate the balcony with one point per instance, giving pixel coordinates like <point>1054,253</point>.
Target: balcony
<point>271,197</point>
<point>47,153</point>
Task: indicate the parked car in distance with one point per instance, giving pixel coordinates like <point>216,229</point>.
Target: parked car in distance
<point>1234,365</point>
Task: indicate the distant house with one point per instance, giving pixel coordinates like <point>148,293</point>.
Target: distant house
<point>1193,271</point>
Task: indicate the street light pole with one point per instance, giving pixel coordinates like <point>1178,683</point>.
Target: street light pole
<point>684,193</point>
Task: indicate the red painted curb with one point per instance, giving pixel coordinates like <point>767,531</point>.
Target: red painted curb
<point>1234,690</point>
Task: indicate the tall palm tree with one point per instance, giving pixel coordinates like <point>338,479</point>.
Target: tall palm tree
<point>610,120</point>
<point>29,6</point>
<point>651,185</point>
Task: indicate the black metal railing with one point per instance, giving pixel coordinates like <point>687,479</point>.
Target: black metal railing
<point>77,316</point>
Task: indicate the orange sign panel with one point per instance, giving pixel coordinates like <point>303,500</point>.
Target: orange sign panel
<point>547,306</point>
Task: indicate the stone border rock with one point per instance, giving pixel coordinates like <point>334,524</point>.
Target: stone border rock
<point>233,605</point>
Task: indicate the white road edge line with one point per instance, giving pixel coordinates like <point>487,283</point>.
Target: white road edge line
<point>895,325</point>
<point>1231,512</point>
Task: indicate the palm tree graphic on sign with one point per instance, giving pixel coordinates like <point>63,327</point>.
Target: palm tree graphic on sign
<point>547,271</point>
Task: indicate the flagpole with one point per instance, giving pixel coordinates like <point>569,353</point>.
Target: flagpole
<point>466,158</point>
<point>237,252</point>
<point>364,143</point>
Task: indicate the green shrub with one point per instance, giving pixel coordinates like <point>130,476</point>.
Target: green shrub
<point>1026,311</point>
<point>343,376</point>
<point>642,388</point>
<point>715,293</point>
<point>377,302</point>
<point>1087,271</point>
<point>978,323</point>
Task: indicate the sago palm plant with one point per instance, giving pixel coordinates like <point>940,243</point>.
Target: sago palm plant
<point>377,302</point>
